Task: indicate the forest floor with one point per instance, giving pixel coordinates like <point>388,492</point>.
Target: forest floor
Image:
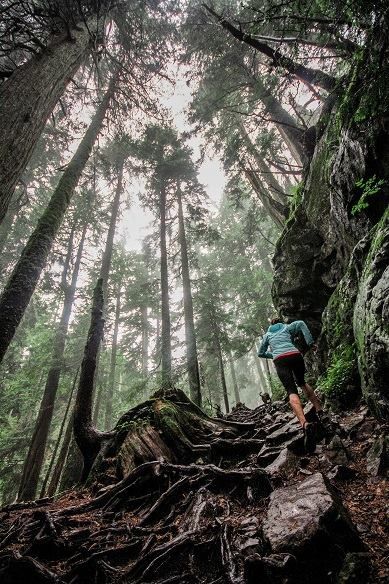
<point>258,510</point>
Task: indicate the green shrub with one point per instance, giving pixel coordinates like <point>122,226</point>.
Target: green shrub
<point>339,384</point>
<point>278,392</point>
<point>368,187</point>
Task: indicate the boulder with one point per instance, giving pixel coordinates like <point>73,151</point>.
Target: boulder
<point>267,454</point>
<point>336,451</point>
<point>378,457</point>
<point>284,433</point>
<point>355,570</point>
<point>341,473</point>
<point>308,521</point>
<point>284,462</point>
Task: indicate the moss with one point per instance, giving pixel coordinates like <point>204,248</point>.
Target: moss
<point>339,384</point>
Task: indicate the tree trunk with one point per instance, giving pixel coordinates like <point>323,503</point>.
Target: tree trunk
<point>306,75</point>
<point>22,283</point>
<point>88,439</point>
<point>275,210</point>
<point>27,99</point>
<point>112,368</point>
<point>145,342</point>
<point>6,227</point>
<point>158,343</point>
<point>98,395</point>
<point>276,190</point>
<point>166,349</point>
<point>221,371</point>
<point>290,131</point>
<point>60,435</point>
<point>234,380</point>
<point>59,465</point>
<point>35,456</point>
<point>107,255</point>
<point>190,334</point>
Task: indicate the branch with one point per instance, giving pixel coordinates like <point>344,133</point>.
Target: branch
<point>306,75</point>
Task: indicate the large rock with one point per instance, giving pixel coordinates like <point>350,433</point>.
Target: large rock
<point>344,195</point>
<point>308,521</point>
<point>371,322</point>
<point>378,457</point>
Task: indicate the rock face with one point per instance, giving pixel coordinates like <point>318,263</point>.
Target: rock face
<point>331,261</point>
<point>307,521</point>
<point>378,457</point>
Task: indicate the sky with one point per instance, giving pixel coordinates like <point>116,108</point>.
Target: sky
<point>135,222</point>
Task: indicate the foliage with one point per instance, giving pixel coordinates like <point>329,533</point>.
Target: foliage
<point>368,187</point>
<point>339,383</point>
<point>278,392</point>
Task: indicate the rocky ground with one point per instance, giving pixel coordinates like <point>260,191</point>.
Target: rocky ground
<point>243,505</point>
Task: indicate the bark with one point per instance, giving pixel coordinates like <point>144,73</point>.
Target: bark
<point>6,227</point>
<point>27,99</point>
<point>22,283</point>
<point>190,334</point>
<point>145,342</point>
<point>105,270</point>
<point>60,464</point>
<point>234,380</point>
<point>276,190</point>
<point>60,435</point>
<point>306,75</point>
<point>112,367</point>
<point>35,457</point>
<point>88,439</point>
<point>166,350</point>
<point>107,255</point>
<point>158,343</point>
<point>222,373</point>
<point>99,394</point>
<point>275,210</point>
<point>290,131</point>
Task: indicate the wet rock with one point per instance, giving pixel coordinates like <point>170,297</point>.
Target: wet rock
<point>272,569</point>
<point>336,451</point>
<point>247,536</point>
<point>284,462</point>
<point>353,422</point>
<point>267,454</point>
<point>341,473</point>
<point>296,444</point>
<point>284,433</point>
<point>366,429</point>
<point>378,457</point>
<point>371,317</point>
<point>308,521</point>
<point>355,570</point>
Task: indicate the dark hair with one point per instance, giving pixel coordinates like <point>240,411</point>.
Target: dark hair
<point>276,320</point>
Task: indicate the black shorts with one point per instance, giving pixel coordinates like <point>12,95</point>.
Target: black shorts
<point>291,371</point>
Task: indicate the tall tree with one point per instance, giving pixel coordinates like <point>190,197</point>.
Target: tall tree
<point>88,438</point>
<point>190,333</point>
<point>112,365</point>
<point>35,456</point>
<point>166,345</point>
<point>21,285</point>
<point>32,90</point>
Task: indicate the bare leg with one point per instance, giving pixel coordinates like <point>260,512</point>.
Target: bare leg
<point>297,407</point>
<point>311,395</point>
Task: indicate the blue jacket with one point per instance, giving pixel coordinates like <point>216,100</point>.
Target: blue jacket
<point>279,339</point>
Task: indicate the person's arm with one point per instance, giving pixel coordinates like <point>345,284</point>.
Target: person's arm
<point>300,326</point>
<point>262,351</point>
